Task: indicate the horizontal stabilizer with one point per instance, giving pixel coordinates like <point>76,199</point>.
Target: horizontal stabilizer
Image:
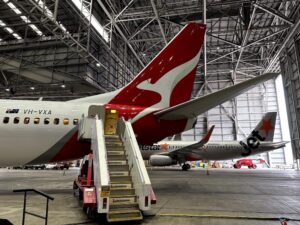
<point>195,107</point>
<point>192,147</point>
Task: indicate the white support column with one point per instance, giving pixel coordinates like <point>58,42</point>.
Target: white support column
<point>55,10</point>
<point>204,42</point>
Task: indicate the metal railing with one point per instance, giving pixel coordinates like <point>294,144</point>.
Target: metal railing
<point>48,197</point>
<point>136,164</point>
<point>101,174</point>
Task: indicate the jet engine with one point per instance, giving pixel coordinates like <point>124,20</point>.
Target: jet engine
<point>161,160</point>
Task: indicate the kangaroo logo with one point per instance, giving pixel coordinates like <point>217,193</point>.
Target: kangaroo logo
<point>253,142</point>
<point>170,79</point>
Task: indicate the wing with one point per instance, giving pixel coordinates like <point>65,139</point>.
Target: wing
<point>190,148</point>
<point>195,107</point>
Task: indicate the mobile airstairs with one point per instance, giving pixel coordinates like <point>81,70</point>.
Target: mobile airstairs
<point>120,186</point>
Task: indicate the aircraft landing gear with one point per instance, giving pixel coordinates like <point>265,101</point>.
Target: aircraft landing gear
<point>186,167</point>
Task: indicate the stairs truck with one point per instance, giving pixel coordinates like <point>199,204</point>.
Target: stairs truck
<point>113,180</point>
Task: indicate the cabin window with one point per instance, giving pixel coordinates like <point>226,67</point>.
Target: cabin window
<point>6,119</point>
<point>46,120</point>
<point>16,119</point>
<point>56,121</point>
<point>26,120</point>
<point>36,120</point>
<point>75,121</point>
<point>66,121</point>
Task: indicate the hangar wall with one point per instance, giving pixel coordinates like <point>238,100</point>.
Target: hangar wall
<point>290,68</point>
<point>234,120</point>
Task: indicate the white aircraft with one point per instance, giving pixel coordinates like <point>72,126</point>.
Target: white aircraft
<point>157,102</point>
<point>260,140</point>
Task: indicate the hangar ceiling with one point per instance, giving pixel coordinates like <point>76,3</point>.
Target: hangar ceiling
<point>49,44</point>
<point>60,50</point>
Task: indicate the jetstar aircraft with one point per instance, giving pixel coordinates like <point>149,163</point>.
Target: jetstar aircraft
<point>157,102</point>
<point>260,140</point>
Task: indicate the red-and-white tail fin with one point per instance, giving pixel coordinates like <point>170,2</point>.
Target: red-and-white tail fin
<point>168,79</point>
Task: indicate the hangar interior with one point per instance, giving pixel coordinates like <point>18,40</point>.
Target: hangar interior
<point>61,50</point>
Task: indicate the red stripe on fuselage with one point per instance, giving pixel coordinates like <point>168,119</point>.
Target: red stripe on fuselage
<point>72,150</point>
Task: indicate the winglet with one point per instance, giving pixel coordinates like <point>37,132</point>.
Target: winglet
<point>207,136</point>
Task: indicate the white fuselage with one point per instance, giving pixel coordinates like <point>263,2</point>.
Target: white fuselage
<point>23,141</point>
<point>210,151</point>
<point>33,132</point>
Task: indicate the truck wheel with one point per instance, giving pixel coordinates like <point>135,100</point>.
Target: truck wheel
<point>80,195</point>
<point>91,214</point>
<point>254,166</point>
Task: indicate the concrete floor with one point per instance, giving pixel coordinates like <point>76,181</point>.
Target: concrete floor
<point>183,197</point>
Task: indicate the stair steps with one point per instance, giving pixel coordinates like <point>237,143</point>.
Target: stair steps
<point>117,167</point>
<point>112,152</point>
<point>117,162</point>
<point>121,191</point>
<point>121,185</point>
<point>123,204</point>
<point>124,215</point>
<point>117,206</point>
<point>119,173</point>
<point>120,178</point>
<point>116,157</point>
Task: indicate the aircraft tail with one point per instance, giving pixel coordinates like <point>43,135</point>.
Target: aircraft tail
<point>265,128</point>
<point>168,79</point>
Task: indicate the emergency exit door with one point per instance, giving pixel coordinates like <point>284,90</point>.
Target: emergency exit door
<point>111,120</point>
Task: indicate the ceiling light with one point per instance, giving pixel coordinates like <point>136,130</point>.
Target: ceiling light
<point>63,86</point>
<point>33,27</point>
<point>7,89</point>
<point>36,29</point>
<point>48,12</point>
<point>14,8</point>
<point>25,19</point>
<point>63,27</point>
<point>9,30</point>
<point>17,36</point>
<point>98,27</point>
<point>98,64</point>
<point>32,88</point>
<point>2,24</point>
